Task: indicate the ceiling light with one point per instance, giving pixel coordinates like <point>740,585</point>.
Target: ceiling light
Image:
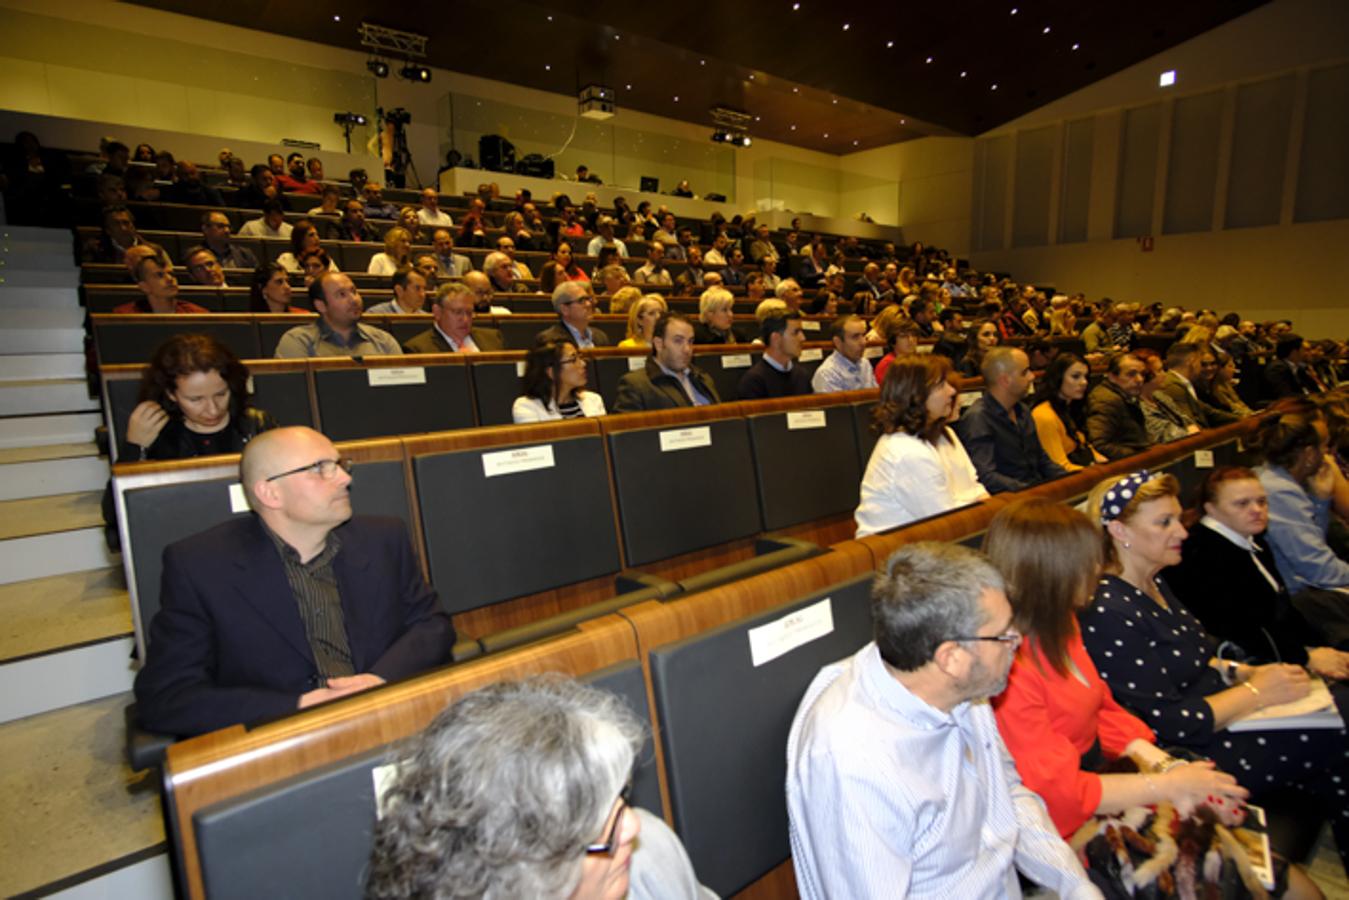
<point>796,90</point>
<point>547,67</point>
<point>826,134</point>
<point>793,128</point>
<point>1013,10</point>
<point>795,7</point>
<point>377,67</point>
<point>928,61</point>
<point>846,26</point>
<point>854,143</point>
<point>1167,78</point>
<point>415,73</point>
<point>1046,31</point>
<point>963,74</point>
<point>993,88</point>
<point>337,18</point>
<point>676,98</point>
<point>889,45</point>
<point>1075,46</point>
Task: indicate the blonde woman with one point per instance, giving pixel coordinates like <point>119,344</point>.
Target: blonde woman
<point>715,319</point>
<point>623,299</point>
<point>397,252</point>
<point>642,317</point>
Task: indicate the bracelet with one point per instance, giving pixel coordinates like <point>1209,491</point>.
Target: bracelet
<point>1254,690</point>
<point>1166,765</point>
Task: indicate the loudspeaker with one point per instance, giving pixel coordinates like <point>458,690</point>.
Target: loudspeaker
<point>496,153</point>
<point>650,185</point>
<point>534,165</point>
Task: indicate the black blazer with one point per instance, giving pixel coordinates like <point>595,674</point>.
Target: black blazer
<point>228,645</point>
<point>559,332</point>
<point>430,341</point>
<point>1218,582</point>
<point>650,388</point>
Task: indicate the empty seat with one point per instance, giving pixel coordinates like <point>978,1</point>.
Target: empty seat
<point>134,338</point>
<point>806,461</point>
<point>724,718</point>
<point>506,513</point>
<point>391,395</point>
<point>496,384</point>
<point>726,368</point>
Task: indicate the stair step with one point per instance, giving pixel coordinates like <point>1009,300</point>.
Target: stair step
<point>60,611</point>
<point>41,366</point>
<point>52,317</point>
<point>42,340</point>
<point>25,558</point>
<point>33,233</point>
<point>37,684</point>
<point>43,478</point>
<point>48,515</point>
<point>15,297</point>
<point>69,450</point>
<point>149,878</point>
<point>35,257</point>
<point>66,278</point>
<point>27,398</point>
<point>38,431</point>
<point>73,809</point>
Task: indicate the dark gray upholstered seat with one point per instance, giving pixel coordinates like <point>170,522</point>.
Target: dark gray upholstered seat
<point>686,499</point>
<point>496,384</point>
<point>805,473</point>
<point>135,341</point>
<point>723,729</point>
<point>726,370</point>
<point>351,408</point>
<point>493,538</point>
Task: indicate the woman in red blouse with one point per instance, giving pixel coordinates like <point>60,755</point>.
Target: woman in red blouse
<point>1057,716</point>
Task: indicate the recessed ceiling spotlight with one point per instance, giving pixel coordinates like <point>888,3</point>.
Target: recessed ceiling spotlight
<point>795,7</point>
<point>846,26</point>
<point>928,61</point>
<point>1046,31</point>
<point>963,74</point>
<point>629,87</point>
<point>1013,10</point>
<point>889,45</point>
<point>547,68</point>
<point>826,134</point>
<point>676,99</point>
<point>796,90</point>
<point>337,18</point>
<point>993,88</point>
<point>1075,46</point>
<point>1167,78</point>
<point>793,128</point>
<point>854,143</point>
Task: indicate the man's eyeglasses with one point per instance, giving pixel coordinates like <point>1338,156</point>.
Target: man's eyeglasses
<point>1010,636</point>
<point>324,468</point>
<point>585,299</point>
<point>611,841</point>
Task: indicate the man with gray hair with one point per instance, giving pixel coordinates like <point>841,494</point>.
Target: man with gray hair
<point>898,783</point>
<point>575,305</point>
<point>519,790</point>
<point>998,431</point>
<point>453,331</point>
<point>605,238</point>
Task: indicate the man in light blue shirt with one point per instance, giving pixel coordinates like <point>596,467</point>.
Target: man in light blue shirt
<point>845,369</point>
<point>898,784</point>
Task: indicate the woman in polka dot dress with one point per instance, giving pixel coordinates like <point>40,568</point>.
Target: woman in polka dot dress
<point>1160,662</point>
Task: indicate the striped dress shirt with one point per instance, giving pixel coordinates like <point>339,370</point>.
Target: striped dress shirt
<point>314,585</point>
<point>890,797</point>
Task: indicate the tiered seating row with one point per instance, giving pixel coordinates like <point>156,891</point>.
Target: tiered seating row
<point>720,718</point>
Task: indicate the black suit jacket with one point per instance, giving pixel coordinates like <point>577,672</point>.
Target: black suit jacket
<point>650,388</point>
<point>559,332</point>
<point>228,645</point>
<point>1281,380</point>
<point>430,341</point>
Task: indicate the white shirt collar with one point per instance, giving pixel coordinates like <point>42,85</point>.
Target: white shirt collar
<point>1240,540</point>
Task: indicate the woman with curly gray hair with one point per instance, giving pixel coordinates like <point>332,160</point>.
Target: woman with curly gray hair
<point>520,790</point>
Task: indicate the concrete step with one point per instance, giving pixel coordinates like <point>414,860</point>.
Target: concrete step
<point>44,478</point>
<point>35,257</point>
<point>41,340</point>
<point>26,234</point>
<point>74,811</point>
<point>14,297</point>
<point>66,278</point>
<point>28,398</point>
<point>45,317</point>
<point>41,366</point>
<point>41,555</point>
<point>50,515</point>
<point>39,431</point>
<point>68,450</point>
<point>149,879</point>
<point>40,684</point>
<point>47,615</point>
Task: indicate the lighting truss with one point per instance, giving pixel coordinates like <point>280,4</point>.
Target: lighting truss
<point>392,42</point>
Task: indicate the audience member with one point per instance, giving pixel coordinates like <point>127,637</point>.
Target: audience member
<point>303,238</point>
<point>734,272</point>
<point>310,574</point>
<point>452,330</point>
<point>622,300</point>
<point>397,252</point>
<point>983,337</point>
<point>690,281</point>
<point>1284,375</point>
<point>260,188</point>
<point>376,207</point>
<point>448,263</point>
<point>501,272</point>
<point>715,319</point>
<point>518,269</point>
<point>337,331</point>
<point>554,385</point>
<point>330,203</point>
<point>845,369</point>
<point>605,238</point>
<point>789,292</point>
<point>430,213</point>
<point>1058,718</point>
<point>654,271</point>
<point>1163,418</point>
<point>462,809</point>
<point>194,401</point>
<point>295,180</point>
<point>562,267</point>
<point>269,290</point>
<point>897,781</point>
<point>215,231</point>
<point>1161,664</point>
<point>716,256</point>
<point>353,226</point>
<point>1059,412</point>
<point>778,372</point>
<point>642,317</point>
<point>203,268</point>
<point>918,468</point>
<point>1184,366</point>
<point>997,430</point>
<point>1115,423</point>
<point>154,277</point>
<point>575,306</point>
<point>314,262</point>
<point>669,379</point>
<point>409,294</point>
<point>1096,336</point>
<point>481,286</point>
<point>118,235</point>
<point>271,224</point>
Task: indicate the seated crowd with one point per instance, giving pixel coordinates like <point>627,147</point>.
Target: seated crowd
<point>1114,669</point>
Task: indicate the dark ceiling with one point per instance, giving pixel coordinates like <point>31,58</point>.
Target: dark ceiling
<point>832,77</point>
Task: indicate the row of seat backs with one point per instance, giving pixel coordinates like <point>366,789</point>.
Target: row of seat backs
<point>552,504</point>
<point>721,707</point>
<point>349,399</point>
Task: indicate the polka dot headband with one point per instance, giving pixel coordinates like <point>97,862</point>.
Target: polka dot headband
<point>1120,493</point>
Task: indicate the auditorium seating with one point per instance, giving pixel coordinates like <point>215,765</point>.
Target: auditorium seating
<point>719,719</point>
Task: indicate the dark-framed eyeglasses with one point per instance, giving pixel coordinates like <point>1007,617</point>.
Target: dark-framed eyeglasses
<point>324,468</point>
<point>611,840</point>
<point>1010,636</point>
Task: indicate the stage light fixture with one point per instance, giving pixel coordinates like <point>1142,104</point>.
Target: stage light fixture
<point>414,72</point>
<point>378,67</point>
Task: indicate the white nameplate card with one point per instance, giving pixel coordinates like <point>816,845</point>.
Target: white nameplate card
<point>521,459</point>
<point>520,369</point>
<point>397,375</point>
<point>238,499</point>
<point>768,642</point>
<point>810,325</point>
<point>736,361</point>
<point>812,354</point>
<point>967,399</point>
<point>248,384</point>
<point>685,438</point>
<point>1203,459</point>
<point>925,348</point>
<point>873,352</point>
<point>383,777</point>
<point>636,362</point>
<point>810,418</point>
